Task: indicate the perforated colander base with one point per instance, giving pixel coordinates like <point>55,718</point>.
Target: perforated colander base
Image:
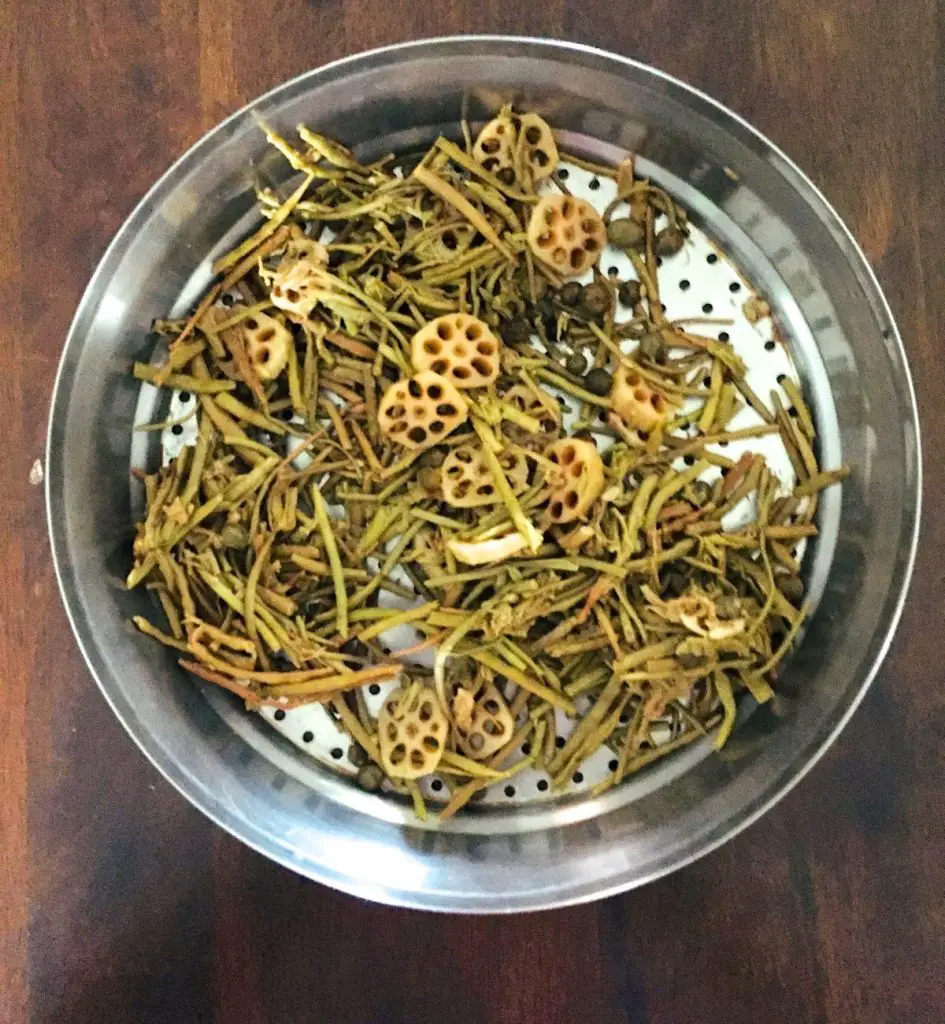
<point>699,282</point>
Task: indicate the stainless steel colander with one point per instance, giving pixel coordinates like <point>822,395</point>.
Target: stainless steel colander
<point>516,852</point>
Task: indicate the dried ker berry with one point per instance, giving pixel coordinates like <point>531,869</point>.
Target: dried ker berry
<point>630,293</point>
<point>653,347</point>
<point>669,241</point>
<point>571,294</point>
<point>626,233</point>
<point>596,300</point>
<point>516,332</point>
<point>576,364</point>
<point>599,381</point>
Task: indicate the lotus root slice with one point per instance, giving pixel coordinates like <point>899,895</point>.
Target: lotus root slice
<point>491,726</point>
<point>421,410</point>
<point>548,413</point>
<point>538,142</point>
<point>495,145</point>
<point>636,402</point>
<point>459,347</point>
<point>468,483</point>
<point>567,234</point>
<point>579,483</point>
<point>412,729</point>
<point>267,345</point>
<point>299,276</point>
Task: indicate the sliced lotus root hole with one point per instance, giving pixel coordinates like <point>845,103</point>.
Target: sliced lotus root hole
<point>638,404</point>
<point>412,729</point>
<point>567,234</point>
<point>267,344</point>
<point>547,413</point>
<point>494,147</point>
<point>538,143</point>
<point>295,300</point>
<point>421,410</point>
<point>491,726</point>
<point>578,484</point>
<point>457,346</point>
<point>299,276</point>
<point>467,482</point>
<point>453,241</point>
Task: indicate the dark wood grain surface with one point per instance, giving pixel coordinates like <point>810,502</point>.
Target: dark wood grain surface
<point>118,902</point>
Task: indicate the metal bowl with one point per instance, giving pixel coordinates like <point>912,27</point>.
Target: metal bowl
<point>790,244</point>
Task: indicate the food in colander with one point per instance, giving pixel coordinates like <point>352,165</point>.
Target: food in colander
<point>410,412</point>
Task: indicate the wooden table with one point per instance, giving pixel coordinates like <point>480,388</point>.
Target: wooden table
<point>118,902</point>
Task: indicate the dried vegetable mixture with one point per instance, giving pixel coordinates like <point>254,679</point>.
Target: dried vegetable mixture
<point>378,373</point>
